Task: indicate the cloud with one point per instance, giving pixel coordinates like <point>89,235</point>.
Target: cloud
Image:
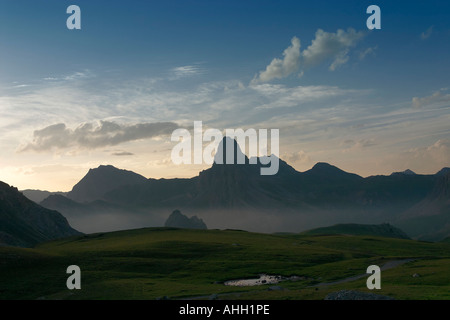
<point>300,157</point>
<point>333,46</point>
<point>437,97</point>
<point>436,156</point>
<point>426,34</point>
<point>122,153</point>
<point>352,145</point>
<point>185,71</point>
<point>281,96</point>
<point>367,52</point>
<point>78,75</point>
<point>281,68</point>
<point>325,46</point>
<point>90,136</point>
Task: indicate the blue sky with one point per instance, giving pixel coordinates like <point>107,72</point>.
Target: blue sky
<point>370,102</point>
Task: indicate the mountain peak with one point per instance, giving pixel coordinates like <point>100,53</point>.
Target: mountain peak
<point>326,171</point>
<point>179,220</point>
<point>97,182</point>
<point>407,172</point>
<point>223,155</point>
<point>323,165</point>
<point>443,171</point>
<point>326,168</point>
<point>106,167</point>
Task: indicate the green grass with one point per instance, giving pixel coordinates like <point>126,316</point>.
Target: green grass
<point>158,262</point>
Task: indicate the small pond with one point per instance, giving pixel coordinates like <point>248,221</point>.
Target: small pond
<point>263,279</point>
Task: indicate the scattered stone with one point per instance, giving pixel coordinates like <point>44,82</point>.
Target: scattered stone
<point>355,295</point>
<point>416,275</point>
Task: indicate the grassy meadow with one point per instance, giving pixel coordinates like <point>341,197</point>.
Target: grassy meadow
<point>153,263</point>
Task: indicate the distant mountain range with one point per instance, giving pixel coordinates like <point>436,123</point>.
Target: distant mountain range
<point>25,223</point>
<point>39,195</point>
<point>237,196</point>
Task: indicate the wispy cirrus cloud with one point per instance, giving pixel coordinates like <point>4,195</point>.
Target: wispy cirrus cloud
<point>185,71</point>
<point>438,97</point>
<point>426,34</point>
<point>352,145</point>
<point>78,75</point>
<point>284,96</point>
<point>367,52</point>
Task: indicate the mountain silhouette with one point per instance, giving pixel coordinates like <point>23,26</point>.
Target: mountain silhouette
<point>238,196</point>
<point>407,172</point>
<point>39,195</point>
<point>223,155</point>
<point>179,220</point>
<point>443,171</point>
<point>25,223</point>
<point>60,202</point>
<point>101,180</point>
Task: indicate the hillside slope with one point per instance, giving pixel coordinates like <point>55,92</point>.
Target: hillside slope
<point>25,223</point>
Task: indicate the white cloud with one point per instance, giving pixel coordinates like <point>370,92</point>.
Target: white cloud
<point>185,71</point>
<point>281,68</point>
<point>90,136</point>
<point>283,96</point>
<point>335,46</point>
<point>426,34</point>
<point>367,52</point>
<point>437,97</point>
<point>78,75</point>
<point>325,46</point>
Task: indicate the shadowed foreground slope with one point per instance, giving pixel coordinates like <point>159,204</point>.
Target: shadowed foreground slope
<point>185,264</point>
<point>25,223</point>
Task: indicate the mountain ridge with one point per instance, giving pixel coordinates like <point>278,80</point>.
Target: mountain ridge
<point>229,193</point>
<point>25,223</point>
<point>100,180</point>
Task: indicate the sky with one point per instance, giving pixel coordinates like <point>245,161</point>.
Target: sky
<point>367,101</point>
